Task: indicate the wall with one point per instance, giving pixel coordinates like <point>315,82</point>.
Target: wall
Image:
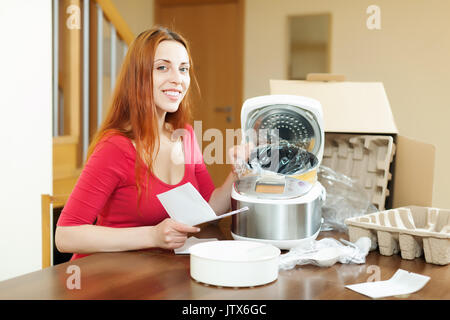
<point>308,39</point>
<point>25,131</point>
<point>410,55</point>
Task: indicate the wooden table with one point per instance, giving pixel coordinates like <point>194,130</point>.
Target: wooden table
<point>160,274</point>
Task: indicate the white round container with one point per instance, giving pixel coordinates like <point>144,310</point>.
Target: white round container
<point>232,263</point>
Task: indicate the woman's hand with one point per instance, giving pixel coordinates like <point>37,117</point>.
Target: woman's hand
<point>239,156</point>
<point>220,199</point>
<point>170,234</point>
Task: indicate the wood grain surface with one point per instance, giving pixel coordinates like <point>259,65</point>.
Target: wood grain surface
<point>160,274</point>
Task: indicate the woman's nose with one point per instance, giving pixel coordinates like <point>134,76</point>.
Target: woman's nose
<point>175,76</point>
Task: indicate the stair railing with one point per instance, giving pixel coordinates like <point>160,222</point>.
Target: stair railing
<point>90,23</point>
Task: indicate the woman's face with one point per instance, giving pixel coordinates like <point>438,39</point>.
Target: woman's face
<point>170,75</point>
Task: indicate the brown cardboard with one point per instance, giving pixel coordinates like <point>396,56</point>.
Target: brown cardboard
<point>414,173</point>
<point>352,107</point>
<point>363,108</point>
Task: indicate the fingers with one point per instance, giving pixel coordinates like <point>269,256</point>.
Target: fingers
<point>175,245</point>
<point>236,152</point>
<point>180,227</point>
<point>171,234</point>
<point>239,156</point>
<point>241,151</point>
<point>173,240</point>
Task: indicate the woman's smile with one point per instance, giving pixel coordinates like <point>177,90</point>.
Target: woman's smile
<point>173,94</point>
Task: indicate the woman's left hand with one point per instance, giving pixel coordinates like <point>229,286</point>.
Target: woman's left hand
<point>239,156</point>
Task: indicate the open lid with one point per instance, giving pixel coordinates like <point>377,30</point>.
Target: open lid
<point>357,107</point>
<point>291,118</point>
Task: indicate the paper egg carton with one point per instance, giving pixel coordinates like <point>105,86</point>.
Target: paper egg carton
<point>364,158</point>
<point>411,230</point>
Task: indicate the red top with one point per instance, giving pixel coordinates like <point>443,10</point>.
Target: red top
<point>106,193</point>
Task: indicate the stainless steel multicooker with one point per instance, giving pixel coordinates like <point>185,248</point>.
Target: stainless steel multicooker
<point>284,197</point>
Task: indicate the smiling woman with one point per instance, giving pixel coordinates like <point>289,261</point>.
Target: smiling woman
<point>132,155</point>
<point>171,75</point>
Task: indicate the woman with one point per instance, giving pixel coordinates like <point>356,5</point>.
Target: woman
<point>135,155</point>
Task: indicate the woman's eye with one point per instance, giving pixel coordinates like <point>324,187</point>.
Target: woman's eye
<point>184,69</point>
<point>161,68</point>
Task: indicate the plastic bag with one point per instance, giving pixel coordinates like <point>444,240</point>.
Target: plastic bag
<point>282,158</point>
<point>325,253</point>
<point>345,199</point>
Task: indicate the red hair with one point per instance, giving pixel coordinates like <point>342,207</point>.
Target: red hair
<point>132,112</point>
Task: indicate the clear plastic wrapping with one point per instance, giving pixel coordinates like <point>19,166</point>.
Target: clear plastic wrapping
<point>345,199</point>
<point>282,158</point>
<point>271,155</point>
<point>326,252</point>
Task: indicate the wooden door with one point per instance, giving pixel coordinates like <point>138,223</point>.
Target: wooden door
<point>214,30</point>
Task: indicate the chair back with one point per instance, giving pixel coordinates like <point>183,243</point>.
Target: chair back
<point>48,202</point>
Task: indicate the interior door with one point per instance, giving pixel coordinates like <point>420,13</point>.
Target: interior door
<point>214,30</point>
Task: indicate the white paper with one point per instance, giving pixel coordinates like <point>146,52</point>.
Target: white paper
<point>186,205</point>
<point>189,243</point>
<point>401,283</point>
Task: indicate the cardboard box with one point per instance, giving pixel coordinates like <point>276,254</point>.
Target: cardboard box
<point>363,108</point>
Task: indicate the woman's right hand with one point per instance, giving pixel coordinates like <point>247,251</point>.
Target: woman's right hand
<point>171,234</point>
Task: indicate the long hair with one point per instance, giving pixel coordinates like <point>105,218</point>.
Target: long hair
<point>132,112</point>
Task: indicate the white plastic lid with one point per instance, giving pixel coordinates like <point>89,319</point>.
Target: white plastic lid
<point>235,251</point>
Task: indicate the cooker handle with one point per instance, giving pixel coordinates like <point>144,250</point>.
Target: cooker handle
<point>323,194</point>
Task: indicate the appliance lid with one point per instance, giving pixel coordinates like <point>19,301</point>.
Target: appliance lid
<point>286,123</point>
<point>275,187</point>
<point>275,118</point>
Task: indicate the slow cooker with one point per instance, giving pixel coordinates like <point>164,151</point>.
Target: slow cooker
<point>280,186</point>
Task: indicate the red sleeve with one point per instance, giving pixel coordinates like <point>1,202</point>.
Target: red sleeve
<point>205,183</point>
<point>104,171</point>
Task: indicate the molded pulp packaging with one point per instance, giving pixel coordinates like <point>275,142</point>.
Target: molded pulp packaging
<point>364,158</point>
<point>411,230</point>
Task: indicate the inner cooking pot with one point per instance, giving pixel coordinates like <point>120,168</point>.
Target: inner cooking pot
<point>283,158</point>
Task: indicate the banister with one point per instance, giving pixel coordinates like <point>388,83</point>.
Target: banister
<point>112,14</point>
<point>104,10</point>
